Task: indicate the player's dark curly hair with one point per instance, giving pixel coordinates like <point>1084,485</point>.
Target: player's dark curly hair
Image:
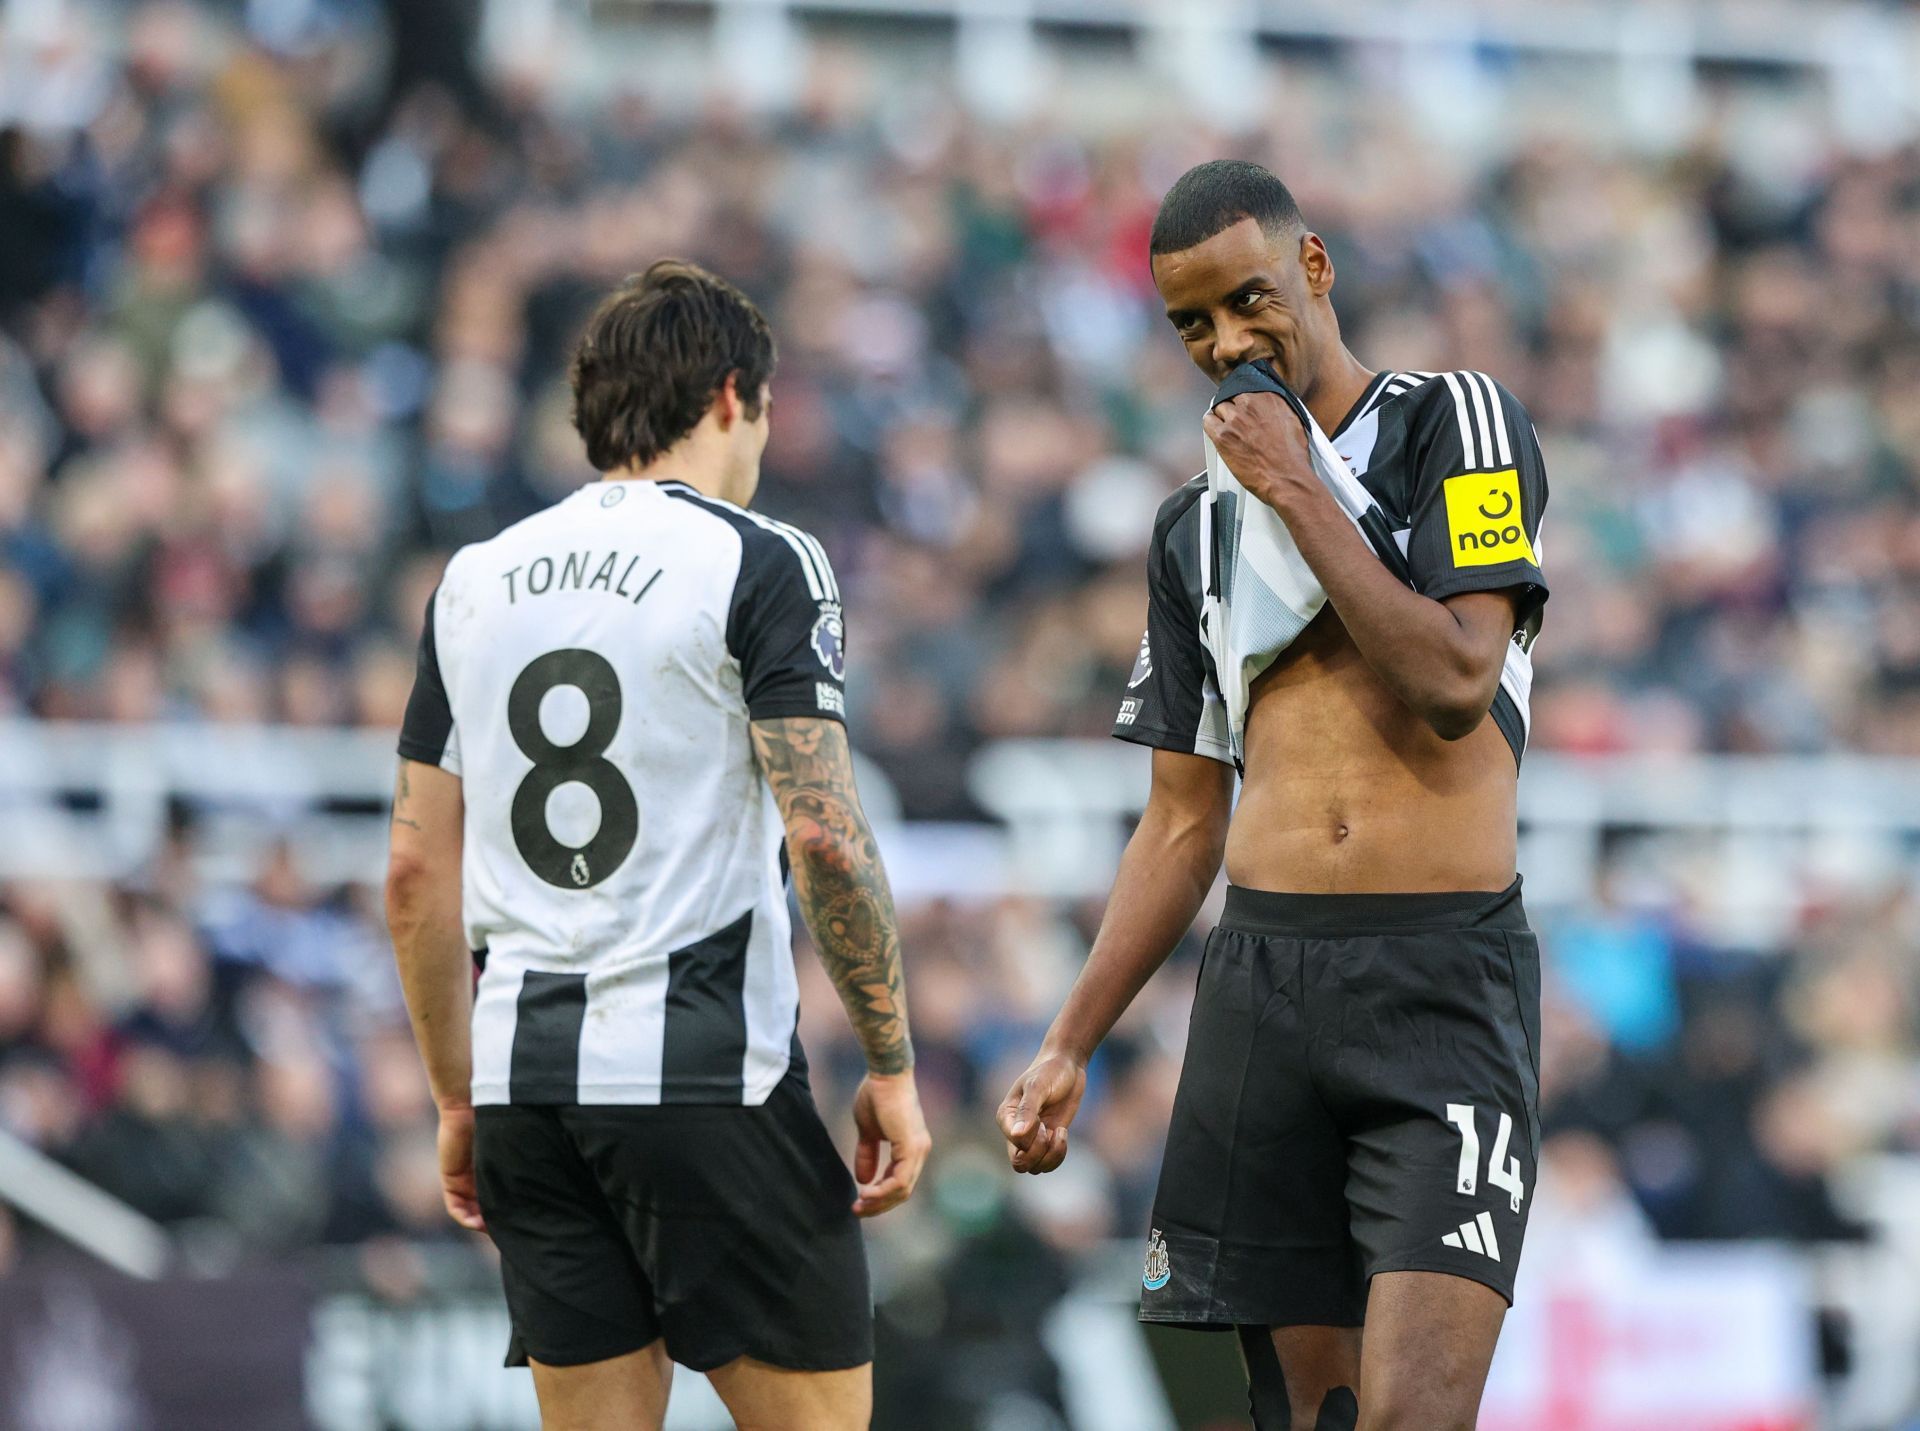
<point>653,355</point>
<point>1212,197</point>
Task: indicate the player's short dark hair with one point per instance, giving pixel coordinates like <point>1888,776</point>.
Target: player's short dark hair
<point>653,355</point>
<point>1212,197</point>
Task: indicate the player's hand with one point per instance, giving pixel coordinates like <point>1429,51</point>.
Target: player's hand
<point>457,1187</point>
<point>1037,1109</point>
<point>887,1110</point>
<point>1264,444</point>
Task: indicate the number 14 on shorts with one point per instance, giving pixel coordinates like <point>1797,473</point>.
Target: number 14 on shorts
<point>1502,1171</point>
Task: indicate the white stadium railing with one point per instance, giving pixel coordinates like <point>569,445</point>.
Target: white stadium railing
<point>1447,57</point>
<point>1787,33</point>
<point>80,1212</point>
<point>96,802</point>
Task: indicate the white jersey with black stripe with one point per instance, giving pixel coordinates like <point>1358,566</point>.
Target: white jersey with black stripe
<point>590,675</point>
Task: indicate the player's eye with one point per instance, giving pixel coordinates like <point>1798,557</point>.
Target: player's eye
<point>1248,301</point>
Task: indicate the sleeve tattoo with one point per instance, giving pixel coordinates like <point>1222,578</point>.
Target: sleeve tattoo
<point>839,879</point>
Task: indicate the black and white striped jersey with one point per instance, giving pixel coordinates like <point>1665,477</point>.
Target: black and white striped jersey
<point>1453,460</point>
<point>590,675</point>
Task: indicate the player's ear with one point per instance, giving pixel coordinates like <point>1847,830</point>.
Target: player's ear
<point>1317,264</point>
<point>727,405</point>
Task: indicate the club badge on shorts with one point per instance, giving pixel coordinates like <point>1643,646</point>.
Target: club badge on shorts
<point>1159,1270</point>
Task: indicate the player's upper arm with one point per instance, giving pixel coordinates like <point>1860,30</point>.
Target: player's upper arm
<point>1191,799</point>
<point>809,768</point>
<point>1478,493</point>
<point>428,804</point>
<point>427,733</point>
<point>429,808</point>
<point>786,627</point>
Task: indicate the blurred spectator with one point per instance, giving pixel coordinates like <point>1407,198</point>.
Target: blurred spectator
<point>1616,961</point>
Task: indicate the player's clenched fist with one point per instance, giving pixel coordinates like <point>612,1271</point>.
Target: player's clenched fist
<point>1037,1110</point>
<point>1263,443</point>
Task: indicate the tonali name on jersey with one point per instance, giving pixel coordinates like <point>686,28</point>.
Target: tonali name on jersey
<point>590,674</point>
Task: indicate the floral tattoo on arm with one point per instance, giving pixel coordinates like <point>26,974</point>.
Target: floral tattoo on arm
<point>839,879</point>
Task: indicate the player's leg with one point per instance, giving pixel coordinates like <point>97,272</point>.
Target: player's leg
<point>1429,1343</point>
<point>761,1397</point>
<point>580,1306</point>
<point>1434,1078</point>
<point>1302,1377</point>
<point>1250,1218</point>
<point>623,1393</point>
<point>742,1219</point>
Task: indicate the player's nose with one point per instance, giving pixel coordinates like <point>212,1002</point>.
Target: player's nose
<point>1232,345</point>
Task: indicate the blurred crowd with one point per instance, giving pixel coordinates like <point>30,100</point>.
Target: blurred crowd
<point>281,327</point>
<point>276,338</point>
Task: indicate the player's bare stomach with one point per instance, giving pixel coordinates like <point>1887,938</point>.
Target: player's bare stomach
<point>1349,792</point>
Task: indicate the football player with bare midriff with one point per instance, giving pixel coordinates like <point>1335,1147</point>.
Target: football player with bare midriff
<point>1354,1139</point>
<point>1348,791</point>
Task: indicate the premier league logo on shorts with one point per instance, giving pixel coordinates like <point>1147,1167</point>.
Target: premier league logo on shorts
<point>829,636</point>
<point>1159,1271</point>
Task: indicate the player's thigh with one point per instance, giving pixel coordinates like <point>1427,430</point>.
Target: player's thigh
<point>1443,1146</point>
<point>1302,1377</point>
<point>622,1393</point>
<point>762,1397</point>
<point>575,1293</point>
<point>1250,1223</point>
<point>1428,1342</point>
<point>746,1234</point>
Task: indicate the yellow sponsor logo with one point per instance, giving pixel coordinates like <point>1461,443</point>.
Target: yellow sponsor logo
<point>1484,526</point>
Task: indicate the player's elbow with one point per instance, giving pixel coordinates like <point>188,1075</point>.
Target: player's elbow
<point>1454,721</point>
<point>411,877</point>
<point>1206,846</point>
<point>823,855</point>
<point>1453,709</point>
<point>1193,840</point>
<point>1456,698</point>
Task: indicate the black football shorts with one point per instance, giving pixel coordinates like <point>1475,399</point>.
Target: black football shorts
<point>727,1230</point>
<point>1360,1095</point>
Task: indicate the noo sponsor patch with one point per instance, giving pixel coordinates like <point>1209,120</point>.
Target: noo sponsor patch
<point>1484,526</point>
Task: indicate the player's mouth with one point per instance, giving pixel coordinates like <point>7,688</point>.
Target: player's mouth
<point>1225,368</point>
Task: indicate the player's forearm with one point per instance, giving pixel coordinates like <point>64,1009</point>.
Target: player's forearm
<point>1165,873</point>
<point>1416,645</point>
<point>839,881</point>
<point>436,976</point>
<point>844,897</point>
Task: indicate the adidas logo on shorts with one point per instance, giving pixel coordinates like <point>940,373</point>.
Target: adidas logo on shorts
<point>1476,1236</point>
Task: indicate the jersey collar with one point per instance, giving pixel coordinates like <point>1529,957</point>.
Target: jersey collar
<point>1364,402</point>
